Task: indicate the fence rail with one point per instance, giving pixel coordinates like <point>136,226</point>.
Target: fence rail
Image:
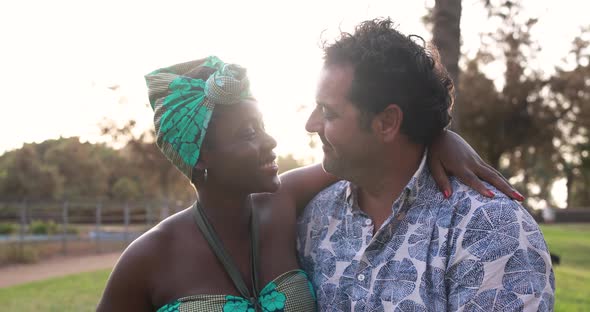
<point>75,227</point>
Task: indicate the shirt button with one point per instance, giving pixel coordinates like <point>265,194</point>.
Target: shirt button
<point>360,277</point>
<point>368,222</point>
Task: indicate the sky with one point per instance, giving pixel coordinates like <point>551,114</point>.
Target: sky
<point>59,58</point>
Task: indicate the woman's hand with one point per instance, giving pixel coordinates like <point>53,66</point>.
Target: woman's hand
<point>449,154</point>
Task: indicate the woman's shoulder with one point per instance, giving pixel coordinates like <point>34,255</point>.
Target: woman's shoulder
<point>156,241</point>
<point>141,264</point>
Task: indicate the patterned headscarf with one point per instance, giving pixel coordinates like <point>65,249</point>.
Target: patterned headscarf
<point>183,105</point>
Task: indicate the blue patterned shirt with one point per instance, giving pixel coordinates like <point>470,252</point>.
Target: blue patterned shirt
<point>467,253</point>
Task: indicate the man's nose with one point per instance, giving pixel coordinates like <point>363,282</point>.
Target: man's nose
<point>313,123</point>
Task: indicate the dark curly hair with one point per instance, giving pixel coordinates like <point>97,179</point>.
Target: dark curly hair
<point>391,68</point>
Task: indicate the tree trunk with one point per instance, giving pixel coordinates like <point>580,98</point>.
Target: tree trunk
<point>446,35</point>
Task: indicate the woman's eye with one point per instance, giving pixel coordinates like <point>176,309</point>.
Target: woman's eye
<point>250,133</point>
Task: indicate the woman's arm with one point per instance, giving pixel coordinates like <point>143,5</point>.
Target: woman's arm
<point>448,155</point>
<point>126,289</point>
<point>300,185</point>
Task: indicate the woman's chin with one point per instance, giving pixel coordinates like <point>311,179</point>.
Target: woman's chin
<point>271,186</point>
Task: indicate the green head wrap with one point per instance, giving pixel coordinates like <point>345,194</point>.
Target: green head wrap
<point>183,105</point>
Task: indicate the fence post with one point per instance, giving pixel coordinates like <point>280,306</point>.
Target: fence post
<point>165,209</point>
<point>64,238</point>
<point>126,216</point>
<point>23,223</point>
<point>98,225</point>
<point>148,215</point>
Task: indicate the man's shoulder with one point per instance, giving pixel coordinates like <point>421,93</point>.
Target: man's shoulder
<point>466,208</point>
<point>493,227</point>
<point>327,200</point>
<point>464,195</point>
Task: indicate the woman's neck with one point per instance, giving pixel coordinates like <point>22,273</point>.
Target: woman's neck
<point>225,208</point>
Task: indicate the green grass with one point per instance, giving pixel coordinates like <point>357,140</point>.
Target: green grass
<point>75,293</point>
<point>81,292</point>
<point>572,277</point>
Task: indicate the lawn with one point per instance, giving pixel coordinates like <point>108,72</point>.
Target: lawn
<point>572,277</point>
<point>81,292</point>
<point>74,293</point>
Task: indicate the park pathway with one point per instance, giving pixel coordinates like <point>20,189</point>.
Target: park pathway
<point>55,267</point>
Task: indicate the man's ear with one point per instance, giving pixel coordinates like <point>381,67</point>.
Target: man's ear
<point>387,124</point>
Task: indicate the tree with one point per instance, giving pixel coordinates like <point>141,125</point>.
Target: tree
<point>156,176</point>
<point>84,171</point>
<point>446,35</point>
<point>570,96</point>
<point>125,189</point>
<point>24,176</point>
<point>512,126</point>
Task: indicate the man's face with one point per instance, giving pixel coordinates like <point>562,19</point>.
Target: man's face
<point>347,148</point>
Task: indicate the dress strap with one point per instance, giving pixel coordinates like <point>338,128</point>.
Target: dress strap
<point>254,252</point>
<point>230,267</point>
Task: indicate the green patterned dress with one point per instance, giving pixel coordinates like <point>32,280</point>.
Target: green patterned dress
<point>290,292</point>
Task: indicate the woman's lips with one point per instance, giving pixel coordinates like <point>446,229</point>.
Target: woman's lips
<point>270,167</point>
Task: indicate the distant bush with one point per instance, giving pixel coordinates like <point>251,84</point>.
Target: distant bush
<point>39,227</point>
<point>69,230</point>
<point>8,228</point>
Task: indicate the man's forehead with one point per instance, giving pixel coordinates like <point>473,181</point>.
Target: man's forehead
<point>334,83</point>
<point>337,75</point>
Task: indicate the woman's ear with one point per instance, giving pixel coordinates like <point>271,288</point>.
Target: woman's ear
<point>387,123</point>
<point>202,163</point>
<point>199,171</point>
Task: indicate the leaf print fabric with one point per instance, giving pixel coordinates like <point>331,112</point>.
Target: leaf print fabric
<point>495,300</point>
<point>347,240</point>
<point>467,253</point>
<point>467,276</point>
<point>396,280</point>
<point>492,232</point>
<point>356,280</point>
<point>525,273</point>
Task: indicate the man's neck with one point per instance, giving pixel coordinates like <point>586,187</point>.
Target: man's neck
<point>386,180</point>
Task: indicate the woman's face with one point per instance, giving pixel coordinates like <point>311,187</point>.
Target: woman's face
<point>239,154</point>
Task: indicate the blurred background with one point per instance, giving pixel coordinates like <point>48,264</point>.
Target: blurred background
<point>81,177</point>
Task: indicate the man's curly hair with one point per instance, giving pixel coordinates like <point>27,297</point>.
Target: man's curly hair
<point>391,68</point>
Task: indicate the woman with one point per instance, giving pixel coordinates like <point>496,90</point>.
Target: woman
<point>234,250</point>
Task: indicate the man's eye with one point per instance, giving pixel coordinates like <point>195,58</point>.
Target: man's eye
<point>327,114</point>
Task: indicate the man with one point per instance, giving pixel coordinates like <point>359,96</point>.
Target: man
<point>392,242</point>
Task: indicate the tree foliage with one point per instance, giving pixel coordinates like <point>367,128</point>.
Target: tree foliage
<point>68,169</point>
<point>531,125</point>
